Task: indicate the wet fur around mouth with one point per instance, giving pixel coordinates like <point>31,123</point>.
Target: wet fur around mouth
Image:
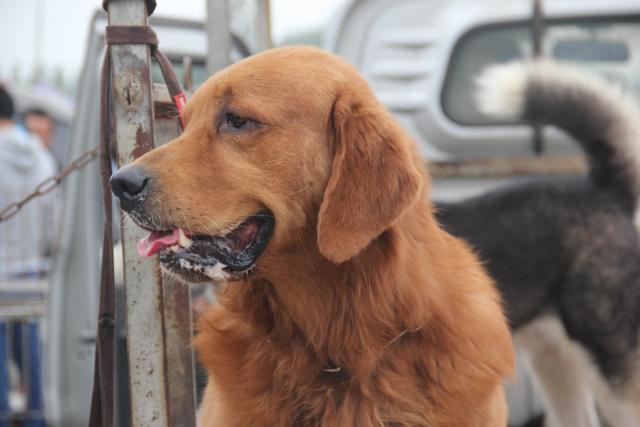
<point>217,258</point>
<point>214,258</point>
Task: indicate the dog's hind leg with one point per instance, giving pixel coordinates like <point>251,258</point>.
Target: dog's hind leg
<point>599,302</point>
<point>614,408</point>
<point>563,372</point>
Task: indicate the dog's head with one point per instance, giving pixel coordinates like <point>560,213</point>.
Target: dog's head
<point>285,147</point>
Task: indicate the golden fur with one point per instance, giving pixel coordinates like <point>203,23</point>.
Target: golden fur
<point>362,311</point>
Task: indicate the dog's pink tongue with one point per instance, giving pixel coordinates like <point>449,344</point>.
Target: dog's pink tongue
<point>157,241</point>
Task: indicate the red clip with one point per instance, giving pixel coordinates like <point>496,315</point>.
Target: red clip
<point>180,100</point>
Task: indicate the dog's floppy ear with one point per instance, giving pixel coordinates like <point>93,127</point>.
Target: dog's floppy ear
<point>373,179</point>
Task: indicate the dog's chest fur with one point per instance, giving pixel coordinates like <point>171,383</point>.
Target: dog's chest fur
<point>266,379</point>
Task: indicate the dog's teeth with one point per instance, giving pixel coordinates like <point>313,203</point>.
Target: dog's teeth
<point>183,240</point>
<point>174,248</point>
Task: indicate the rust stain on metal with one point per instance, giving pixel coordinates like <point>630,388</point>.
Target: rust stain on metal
<point>178,294</point>
<point>144,142</point>
<point>180,372</point>
<point>129,91</point>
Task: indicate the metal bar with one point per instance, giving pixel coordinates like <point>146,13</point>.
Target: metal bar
<point>537,28</point>
<point>181,374</point>
<point>132,122</point>
<point>23,311</point>
<point>537,33</point>
<point>35,285</point>
<point>504,167</point>
<point>218,35</point>
<point>177,311</point>
<point>187,73</point>
<point>263,23</point>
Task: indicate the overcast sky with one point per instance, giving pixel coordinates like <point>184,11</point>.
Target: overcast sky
<point>64,25</point>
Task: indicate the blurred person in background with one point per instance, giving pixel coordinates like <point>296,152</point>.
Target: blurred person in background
<point>41,124</point>
<point>24,163</point>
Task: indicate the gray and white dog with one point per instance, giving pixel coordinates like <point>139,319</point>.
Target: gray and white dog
<point>566,254</point>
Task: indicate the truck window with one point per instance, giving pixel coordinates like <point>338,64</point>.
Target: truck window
<point>606,46</point>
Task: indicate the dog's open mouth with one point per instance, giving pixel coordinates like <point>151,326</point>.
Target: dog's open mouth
<point>198,257</point>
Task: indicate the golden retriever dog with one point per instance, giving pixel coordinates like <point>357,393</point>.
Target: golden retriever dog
<point>341,302</point>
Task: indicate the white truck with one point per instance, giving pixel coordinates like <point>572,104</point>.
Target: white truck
<point>420,56</point>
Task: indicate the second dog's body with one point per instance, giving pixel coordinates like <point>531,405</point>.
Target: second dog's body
<point>566,254</point>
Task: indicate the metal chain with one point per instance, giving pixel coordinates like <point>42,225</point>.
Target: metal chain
<point>49,184</point>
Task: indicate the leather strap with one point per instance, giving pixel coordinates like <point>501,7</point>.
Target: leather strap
<point>103,375</point>
<point>145,35</point>
<point>135,34</point>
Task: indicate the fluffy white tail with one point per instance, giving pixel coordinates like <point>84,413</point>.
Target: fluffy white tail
<point>603,119</point>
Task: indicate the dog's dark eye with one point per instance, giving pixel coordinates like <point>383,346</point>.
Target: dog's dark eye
<point>236,122</point>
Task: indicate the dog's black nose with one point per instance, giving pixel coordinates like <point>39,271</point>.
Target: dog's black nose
<point>129,183</point>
